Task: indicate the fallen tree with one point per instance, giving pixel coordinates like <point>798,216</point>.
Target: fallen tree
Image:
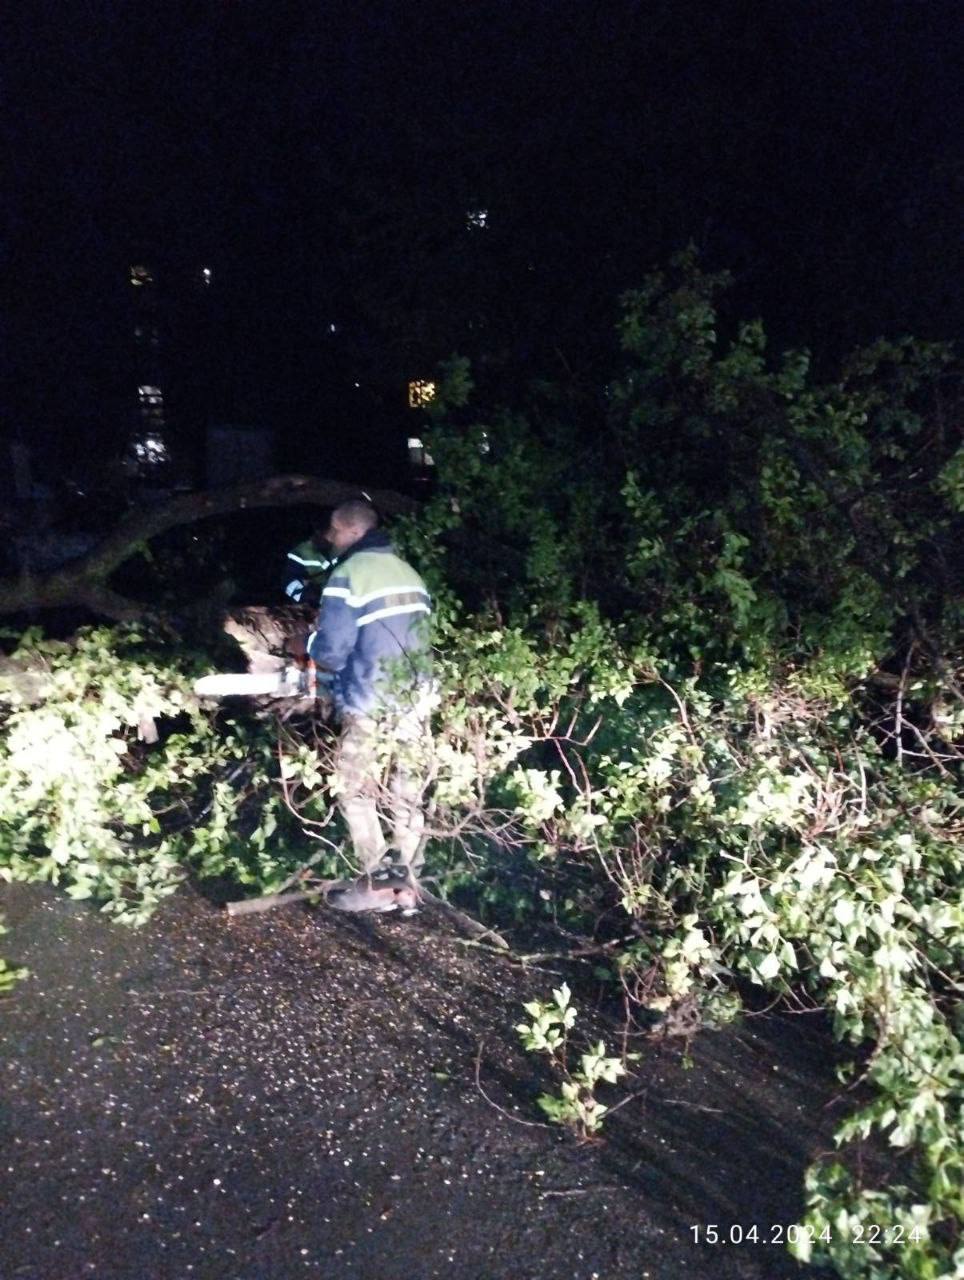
<point>85,582</point>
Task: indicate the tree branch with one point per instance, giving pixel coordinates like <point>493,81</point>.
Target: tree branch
<point>83,582</point>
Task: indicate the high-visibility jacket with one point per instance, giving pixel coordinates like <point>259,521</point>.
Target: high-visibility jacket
<point>372,629</point>
<point>308,566</point>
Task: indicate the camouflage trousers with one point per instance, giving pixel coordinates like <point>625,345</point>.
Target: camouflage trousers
<point>380,774</point>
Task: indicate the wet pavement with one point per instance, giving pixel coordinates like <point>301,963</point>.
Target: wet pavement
<point>296,1094</point>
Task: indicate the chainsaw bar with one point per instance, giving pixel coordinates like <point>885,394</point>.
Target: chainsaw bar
<point>287,682</point>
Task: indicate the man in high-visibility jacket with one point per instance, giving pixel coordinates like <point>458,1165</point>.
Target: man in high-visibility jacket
<point>308,566</point>
<point>372,634</point>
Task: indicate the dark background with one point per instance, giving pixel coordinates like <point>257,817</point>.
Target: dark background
<point>321,160</point>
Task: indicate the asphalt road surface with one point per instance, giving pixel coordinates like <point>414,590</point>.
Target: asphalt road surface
<point>308,1094</point>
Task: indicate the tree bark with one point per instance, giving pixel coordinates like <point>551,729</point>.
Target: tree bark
<point>84,583</point>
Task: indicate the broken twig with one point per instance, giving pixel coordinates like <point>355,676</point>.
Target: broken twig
<point>530,1124</point>
<point>474,928</point>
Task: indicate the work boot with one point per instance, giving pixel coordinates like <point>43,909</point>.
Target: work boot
<point>384,889</point>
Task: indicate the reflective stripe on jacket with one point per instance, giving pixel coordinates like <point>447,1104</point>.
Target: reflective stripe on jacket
<point>372,629</point>
<point>308,566</point>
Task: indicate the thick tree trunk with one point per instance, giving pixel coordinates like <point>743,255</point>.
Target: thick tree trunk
<point>84,583</point>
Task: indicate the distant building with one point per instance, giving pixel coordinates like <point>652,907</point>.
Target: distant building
<point>172,388</point>
<point>20,473</point>
<point>235,453</point>
<point>148,452</point>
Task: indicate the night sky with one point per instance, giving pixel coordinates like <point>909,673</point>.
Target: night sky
<point>321,161</point>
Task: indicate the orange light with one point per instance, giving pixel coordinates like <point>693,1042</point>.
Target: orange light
<point>420,394</point>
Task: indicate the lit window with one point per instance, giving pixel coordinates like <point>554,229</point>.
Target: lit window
<point>150,450</point>
<point>420,394</point>
<point>418,455</point>
<point>151,406</point>
<point>141,275</point>
<point>477,219</point>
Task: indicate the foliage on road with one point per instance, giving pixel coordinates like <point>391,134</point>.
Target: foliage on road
<point>700,705</point>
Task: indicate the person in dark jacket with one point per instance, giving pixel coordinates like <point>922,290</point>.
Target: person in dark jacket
<point>372,635</point>
<point>308,565</point>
